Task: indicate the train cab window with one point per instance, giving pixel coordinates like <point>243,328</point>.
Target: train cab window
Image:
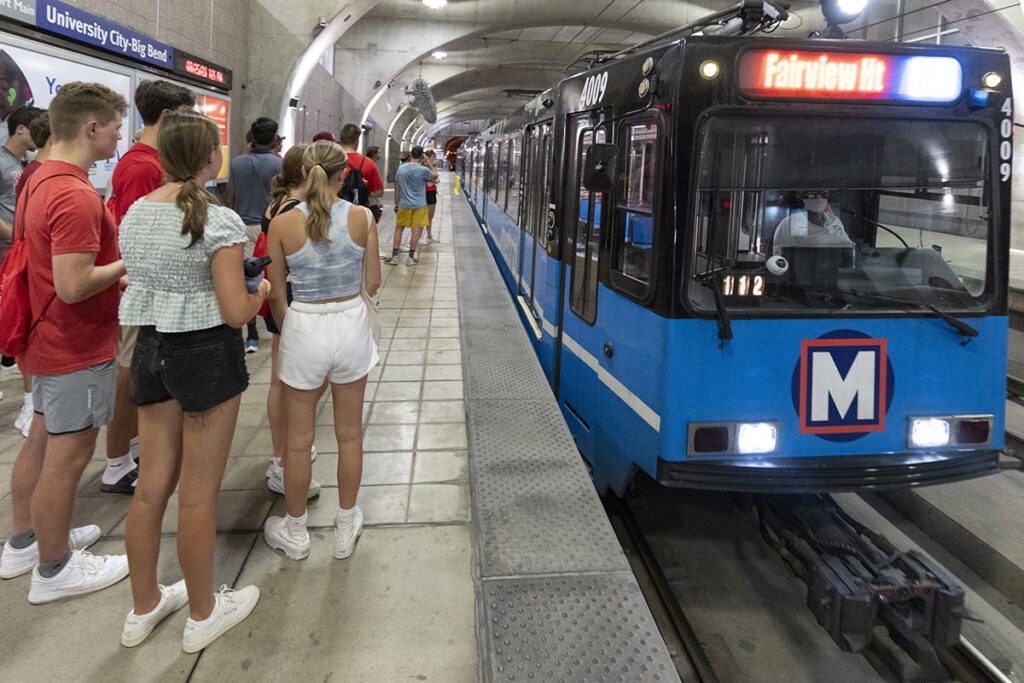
<point>633,228</point>
<point>843,213</point>
<point>587,240</point>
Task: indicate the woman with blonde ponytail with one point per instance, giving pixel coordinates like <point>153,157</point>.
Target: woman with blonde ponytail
<point>288,189</point>
<point>186,290</point>
<point>326,246</point>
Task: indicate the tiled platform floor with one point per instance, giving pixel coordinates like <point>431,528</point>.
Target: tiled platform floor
<point>401,608</point>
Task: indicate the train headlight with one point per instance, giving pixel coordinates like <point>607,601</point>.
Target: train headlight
<point>928,432</point>
<point>756,437</point>
<point>709,69</point>
<point>992,80</point>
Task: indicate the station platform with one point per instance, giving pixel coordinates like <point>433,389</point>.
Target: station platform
<point>485,554</point>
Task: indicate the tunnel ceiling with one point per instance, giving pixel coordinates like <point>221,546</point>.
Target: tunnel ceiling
<point>499,51</point>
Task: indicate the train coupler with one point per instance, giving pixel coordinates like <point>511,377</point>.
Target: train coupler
<point>856,580</point>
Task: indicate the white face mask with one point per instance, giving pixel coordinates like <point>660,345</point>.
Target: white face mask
<point>816,205</point>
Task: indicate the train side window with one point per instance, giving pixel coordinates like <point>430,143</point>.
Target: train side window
<point>512,201</point>
<point>633,227</point>
<point>501,191</point>
<point>587,239</point>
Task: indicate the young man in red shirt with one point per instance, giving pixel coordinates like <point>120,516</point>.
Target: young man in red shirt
<point>73,274</point>
<point>137,174</point>
<point>349,141</point>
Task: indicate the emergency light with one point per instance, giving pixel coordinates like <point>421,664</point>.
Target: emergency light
<point>850,76</point>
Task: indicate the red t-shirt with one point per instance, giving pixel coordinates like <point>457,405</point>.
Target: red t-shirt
<point>137,174</point>
<point>66,216</point>
<point>32,167</point>
<point>369,170</point>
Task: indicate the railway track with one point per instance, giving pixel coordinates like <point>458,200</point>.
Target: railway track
<point>696,661</point>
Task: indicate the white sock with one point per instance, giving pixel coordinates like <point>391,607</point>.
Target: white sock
<point>116,468</point>
<point>345,517</point>
<point>28,399</point>
<point>296,524</point>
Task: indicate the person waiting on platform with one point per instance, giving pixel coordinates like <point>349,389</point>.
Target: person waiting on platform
<point>187,293</point>
<point>815,227</point>
<point>325,338</point>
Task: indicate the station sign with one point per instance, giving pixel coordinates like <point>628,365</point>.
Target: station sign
<point>75,24</point>
<point>850,76</point>
<point>83,27</point>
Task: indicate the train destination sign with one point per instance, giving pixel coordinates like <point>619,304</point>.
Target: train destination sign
<point>850,76</point>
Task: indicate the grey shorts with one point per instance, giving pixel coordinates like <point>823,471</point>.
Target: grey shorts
<point>76,401</point>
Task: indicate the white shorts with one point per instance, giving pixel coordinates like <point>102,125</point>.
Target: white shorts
<point>326,341</point>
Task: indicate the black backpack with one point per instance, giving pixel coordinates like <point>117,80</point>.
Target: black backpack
<point>353,187</point>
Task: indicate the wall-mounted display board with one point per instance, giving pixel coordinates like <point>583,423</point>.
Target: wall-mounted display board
<point>31,72</point>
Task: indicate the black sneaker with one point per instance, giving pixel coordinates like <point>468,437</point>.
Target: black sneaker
<point>124,484</point>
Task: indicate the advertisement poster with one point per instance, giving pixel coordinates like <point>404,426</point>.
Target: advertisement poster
<point>33,78</point>
<point>220,111</point>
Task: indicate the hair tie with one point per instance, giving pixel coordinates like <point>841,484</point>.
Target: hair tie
<point>188,178</point>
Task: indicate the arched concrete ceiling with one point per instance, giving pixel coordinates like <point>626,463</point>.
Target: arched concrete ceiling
<point>497,46</point>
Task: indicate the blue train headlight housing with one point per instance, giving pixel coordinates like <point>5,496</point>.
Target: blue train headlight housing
<point>756,437</point>
<point>936,431</point>
<point>928,432</point>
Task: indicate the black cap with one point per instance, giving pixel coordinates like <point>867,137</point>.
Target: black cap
<point>417,152</point>
<point>263,130</point>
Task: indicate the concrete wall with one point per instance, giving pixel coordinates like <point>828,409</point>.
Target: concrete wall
<point>279,33</point>
<point>213,29</point>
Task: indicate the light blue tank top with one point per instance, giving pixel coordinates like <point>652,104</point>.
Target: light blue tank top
<point>330,270</point>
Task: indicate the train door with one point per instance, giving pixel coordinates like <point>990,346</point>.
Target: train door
<point>578,376</point>
<point>533,216</point>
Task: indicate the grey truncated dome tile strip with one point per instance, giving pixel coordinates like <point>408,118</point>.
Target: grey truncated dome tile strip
<point>556,599</point>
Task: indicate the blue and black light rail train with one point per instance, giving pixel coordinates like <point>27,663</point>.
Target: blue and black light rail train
<point>764,264</point>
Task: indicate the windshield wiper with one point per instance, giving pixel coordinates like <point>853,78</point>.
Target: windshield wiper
<point>724,328</point>
<point>960,326</point>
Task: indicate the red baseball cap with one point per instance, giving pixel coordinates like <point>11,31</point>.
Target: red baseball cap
<point>323,135</point>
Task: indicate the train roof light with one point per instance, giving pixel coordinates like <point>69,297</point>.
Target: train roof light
<point>992,80</point>
<point>435,4</point>
<point>709,69</point>
<point>842,11</point>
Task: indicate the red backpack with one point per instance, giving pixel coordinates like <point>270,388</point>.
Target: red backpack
<point>16,323</point>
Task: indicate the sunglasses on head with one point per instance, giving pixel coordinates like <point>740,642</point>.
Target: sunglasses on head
<point>814,194</point>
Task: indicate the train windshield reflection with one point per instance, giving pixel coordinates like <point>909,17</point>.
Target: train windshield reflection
<point>815,213</point>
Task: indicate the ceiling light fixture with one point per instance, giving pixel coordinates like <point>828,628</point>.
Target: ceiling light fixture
<point>438,54</point>
<point>435,4</point>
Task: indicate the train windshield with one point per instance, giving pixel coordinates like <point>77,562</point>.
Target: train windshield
<point>842,213</point>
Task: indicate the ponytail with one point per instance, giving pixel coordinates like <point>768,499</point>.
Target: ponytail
<point>289,178</point>
<point>193,200</point>
<point>185,143</point>
<point>321,160</point>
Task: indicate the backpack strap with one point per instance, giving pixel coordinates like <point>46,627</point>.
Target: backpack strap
<point>21,215</point>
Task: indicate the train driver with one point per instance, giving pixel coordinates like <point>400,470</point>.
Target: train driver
<point>815,227</point>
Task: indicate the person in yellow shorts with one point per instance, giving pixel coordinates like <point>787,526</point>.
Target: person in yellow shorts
<point>411,187</point>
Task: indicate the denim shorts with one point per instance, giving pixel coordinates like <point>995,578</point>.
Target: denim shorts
<point>199,369</point>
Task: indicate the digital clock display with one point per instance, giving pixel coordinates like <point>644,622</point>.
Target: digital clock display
<point>202,70</point>
<point>743,285</point>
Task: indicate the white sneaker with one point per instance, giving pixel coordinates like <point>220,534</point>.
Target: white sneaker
<point>16,562</point>
<point>137,627</point>
<point>84,573</point>
<point>278,534</point>
<point>277,461</point>
<point>275,482</point>
<point>24,421</point>
<point>230,608</point>
<point>345,541</point>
